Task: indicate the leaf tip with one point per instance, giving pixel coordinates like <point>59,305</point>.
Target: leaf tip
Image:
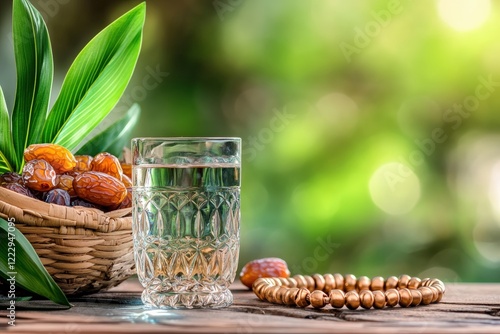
<point>140,8</point>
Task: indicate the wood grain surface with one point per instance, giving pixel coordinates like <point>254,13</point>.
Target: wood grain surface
<point>465,308</point>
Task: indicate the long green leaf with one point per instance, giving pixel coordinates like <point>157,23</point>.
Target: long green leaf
<point>7,154</point>
<point>34,68</point>
<point>96,80</point>
<point>19,260</point>
<point>114,137</point>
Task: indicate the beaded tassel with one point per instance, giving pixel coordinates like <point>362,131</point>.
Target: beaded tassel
<point>338,290</point>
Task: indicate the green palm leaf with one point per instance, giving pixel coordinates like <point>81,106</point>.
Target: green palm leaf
<point>96,80</point>
<point>7,154</point>
<point>34,68</point>
<point>115,137</point>
<point>19,257</point>
<point>92,87</point>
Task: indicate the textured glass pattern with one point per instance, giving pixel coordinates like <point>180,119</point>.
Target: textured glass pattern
<point>186,219</point>
<point>186,244</point>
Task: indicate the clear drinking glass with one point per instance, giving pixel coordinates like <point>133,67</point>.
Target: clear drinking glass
<point>186,219</point>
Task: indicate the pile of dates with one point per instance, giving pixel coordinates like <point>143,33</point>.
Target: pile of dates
<point>53,174</point>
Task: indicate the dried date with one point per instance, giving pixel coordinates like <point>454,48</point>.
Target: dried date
<point>18,188</point>
<point>59,157</point>
<point>81,202</point>
<point>126,181</point>
<point>126,203</point>
<point>11,177</point>
<point>83,163</point>
<point>266,267</point>
<point>107,163</point>
<point>99,188</point>
<point>65,182</point>
<point>57,196</point>
<point>127,169</point>
<point>39,175</point>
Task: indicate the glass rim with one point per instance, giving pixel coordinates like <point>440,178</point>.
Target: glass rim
<point>201,139</point>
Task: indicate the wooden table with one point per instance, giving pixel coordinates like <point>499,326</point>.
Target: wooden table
<point>465,308</point>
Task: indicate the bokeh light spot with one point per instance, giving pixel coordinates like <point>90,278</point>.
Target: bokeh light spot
<point>464,15</point>
<point>394,188</point>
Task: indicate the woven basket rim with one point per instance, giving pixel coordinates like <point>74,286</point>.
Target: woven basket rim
<point>33,212</point>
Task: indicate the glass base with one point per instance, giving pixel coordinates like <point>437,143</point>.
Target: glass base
<point>186,300</point>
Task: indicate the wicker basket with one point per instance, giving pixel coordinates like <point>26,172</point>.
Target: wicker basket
<point>85,250</point>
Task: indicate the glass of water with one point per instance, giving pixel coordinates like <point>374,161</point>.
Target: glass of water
<point>186,219</point>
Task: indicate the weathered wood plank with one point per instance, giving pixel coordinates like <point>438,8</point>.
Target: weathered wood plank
<point>466,308</point>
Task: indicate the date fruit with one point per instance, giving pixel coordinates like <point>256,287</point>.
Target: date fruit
<point>126,203</point>
<point>39,175</point>
<point>10,177</point>
<point>81,202</point>
<point>107,163</point>
<point>59,157</point>
<point>266,267</point>
<point>53,174</point>
<point>57,196</point>
<point>18,188</point>
<point>65,182</point>
<point>127,181</point>
<point>83,163</point>
<point>127,169</point>
<point>99,188</point>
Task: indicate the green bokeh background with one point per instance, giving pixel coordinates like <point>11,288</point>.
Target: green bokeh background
<point>356,157</point>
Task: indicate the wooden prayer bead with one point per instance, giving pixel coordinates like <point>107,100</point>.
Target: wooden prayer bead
<point>391,283</point>
<point>439,293</point>
<point>302,298</point>
<point>435,293</point>
<point>403,281</point>
<point>338,290</point>
<point>438,284</point>
<point>378,299</point>
<point>405,297</point>
<point>434,281</point>
<point>425,282</point>
<point>349,282</point>
<point>392,297</point>
<point>284,281</point>
<point>259,289</point>
<point>366,299</point>
<point>426,295</point>
<point>414,283</point>
<point>271,294</point>
<point>301,281</point>
<point>329,283</point>
<point>280,281</point>
<point>258,280</point>
<point>377,283</point>
<point>416,297</point>
<point>352,300</point>
<point>339,281</point>
<point>363,283</point>
<point>310,283</point>
<point>292,283</point>
<point>337,298</point>
<point>290,295</point>
<point>280,294</point>
<point>318,299</point>
<point>319,281</point>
